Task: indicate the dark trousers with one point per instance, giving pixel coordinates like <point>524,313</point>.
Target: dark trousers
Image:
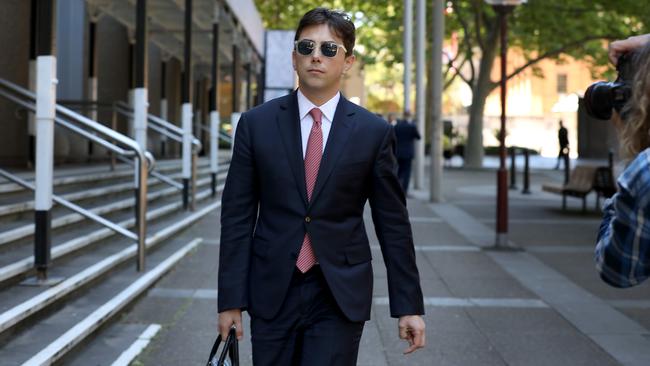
<point>564,152</point>
<point>309,330</point>
<point>404,172</point>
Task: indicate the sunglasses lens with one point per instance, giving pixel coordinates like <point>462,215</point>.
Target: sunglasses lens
<point>329,49</point>
<point>305,47</point>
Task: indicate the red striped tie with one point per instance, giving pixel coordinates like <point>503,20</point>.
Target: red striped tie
<point>306,258</point>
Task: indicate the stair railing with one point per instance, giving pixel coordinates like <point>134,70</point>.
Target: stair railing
<point>121,145</point>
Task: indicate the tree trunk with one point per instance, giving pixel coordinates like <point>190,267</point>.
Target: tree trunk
<point>480,90</point>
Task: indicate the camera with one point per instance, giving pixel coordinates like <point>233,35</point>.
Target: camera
<point>602,97</point>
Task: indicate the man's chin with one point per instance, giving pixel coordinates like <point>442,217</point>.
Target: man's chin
<point>314,84</point>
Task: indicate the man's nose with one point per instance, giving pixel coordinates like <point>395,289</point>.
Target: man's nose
<point>316,55</point>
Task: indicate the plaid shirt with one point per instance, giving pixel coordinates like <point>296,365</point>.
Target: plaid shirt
<point>623,249</point>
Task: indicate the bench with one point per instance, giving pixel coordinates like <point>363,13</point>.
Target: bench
<point>581,183</point>
<point>604,184</point>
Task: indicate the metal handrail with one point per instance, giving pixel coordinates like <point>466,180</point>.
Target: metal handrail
<point>145,161</point>
<point>155,174</point>
<point>65,203</point>
<point>222,135</point>
<point>97,127</point>
<point>225,137</point>
<point>177,132</point>
<point>157,124</point>
<point>70,126</point>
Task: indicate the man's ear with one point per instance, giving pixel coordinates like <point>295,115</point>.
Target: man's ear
<point>293,60</point>
<point>349,61</point>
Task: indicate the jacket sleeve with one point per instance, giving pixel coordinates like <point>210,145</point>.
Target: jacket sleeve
<point>393,229</point>
<point>416,133</point>
<point>238,217</point>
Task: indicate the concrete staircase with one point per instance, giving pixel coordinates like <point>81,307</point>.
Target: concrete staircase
<point>41,325</point>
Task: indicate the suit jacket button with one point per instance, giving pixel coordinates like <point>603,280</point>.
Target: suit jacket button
<point>307,219</point>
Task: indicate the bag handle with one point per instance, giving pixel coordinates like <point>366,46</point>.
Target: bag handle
<point>230,348</point>
<point>233,350</point>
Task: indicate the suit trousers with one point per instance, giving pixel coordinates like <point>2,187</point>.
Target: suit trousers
<point>309,330</point>
<point>404,172</point>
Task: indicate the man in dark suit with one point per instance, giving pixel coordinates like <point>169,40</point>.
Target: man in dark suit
<point>406,133</point>
<point>294,250</point>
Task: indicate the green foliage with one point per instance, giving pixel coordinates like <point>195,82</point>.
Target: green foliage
<point>549,28</point>
<point>378,22</point>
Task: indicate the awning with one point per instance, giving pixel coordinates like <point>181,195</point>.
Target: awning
<point>167,24</point>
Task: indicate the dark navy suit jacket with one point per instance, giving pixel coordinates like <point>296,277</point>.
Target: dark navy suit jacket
<point>406,134</point>
<point>265,213</point>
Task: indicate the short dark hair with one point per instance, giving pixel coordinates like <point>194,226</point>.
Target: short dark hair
<point>338,21</point>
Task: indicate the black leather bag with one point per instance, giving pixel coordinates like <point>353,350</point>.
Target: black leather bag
<point>229,354</point>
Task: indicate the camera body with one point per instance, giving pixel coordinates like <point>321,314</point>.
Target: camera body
<point>603,97</point>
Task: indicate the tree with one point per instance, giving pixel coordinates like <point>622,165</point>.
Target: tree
<point>541,29</point>
<point>378,23</point>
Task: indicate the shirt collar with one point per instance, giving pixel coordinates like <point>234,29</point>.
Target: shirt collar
<point>328,109</point>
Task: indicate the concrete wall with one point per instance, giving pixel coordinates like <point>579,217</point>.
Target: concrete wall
<point>72,68</point>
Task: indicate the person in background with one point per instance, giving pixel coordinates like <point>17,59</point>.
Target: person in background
<point>391,119</point>
<point>623,246</point>
<point>563,139</point>
<point>406,133</point>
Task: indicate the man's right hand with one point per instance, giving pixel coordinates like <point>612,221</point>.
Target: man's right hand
<point>228,319</point>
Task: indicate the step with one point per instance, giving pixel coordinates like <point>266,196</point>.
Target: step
<point>119,345</point>
<point>88,229</point>
<point>27,301</point>
<point>21,231</point>
<point>81,175</point>
<point>22,265</point>
<point>25,202</point>
<point>56,334</point>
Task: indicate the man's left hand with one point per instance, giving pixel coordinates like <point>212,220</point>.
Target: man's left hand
<point>411,328</point>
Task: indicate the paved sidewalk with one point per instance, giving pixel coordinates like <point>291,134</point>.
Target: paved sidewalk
<point>544,305</point>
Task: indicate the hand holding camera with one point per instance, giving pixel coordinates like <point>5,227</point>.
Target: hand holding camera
<point>618,48</point>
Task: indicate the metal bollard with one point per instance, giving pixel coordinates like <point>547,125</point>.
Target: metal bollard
<point>513,168</point>
<point>526,189</point>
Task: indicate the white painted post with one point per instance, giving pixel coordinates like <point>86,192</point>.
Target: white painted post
<point>31,118</point>
<point>186,124</point>
<point>140,112</point>
<point>45,112</point>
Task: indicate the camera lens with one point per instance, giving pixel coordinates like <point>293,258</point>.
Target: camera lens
<point>598,100</point>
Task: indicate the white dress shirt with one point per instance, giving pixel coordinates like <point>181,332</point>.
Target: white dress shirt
<point>306,121</point>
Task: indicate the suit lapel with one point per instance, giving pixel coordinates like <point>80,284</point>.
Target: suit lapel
<point>338,137</point>
<point>289,126</point>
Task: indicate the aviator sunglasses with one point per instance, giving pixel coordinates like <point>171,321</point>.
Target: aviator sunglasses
<point>306,47</point>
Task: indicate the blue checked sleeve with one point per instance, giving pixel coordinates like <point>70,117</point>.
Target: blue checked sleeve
<point>623,247</point>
